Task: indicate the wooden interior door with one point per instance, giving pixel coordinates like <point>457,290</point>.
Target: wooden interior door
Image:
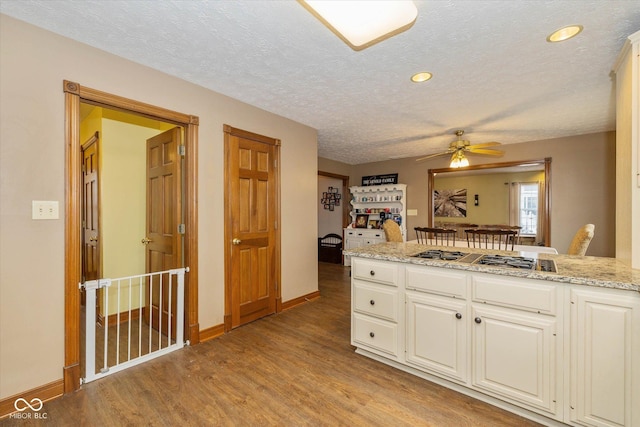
<point>90,212</point>
<point>251,264</point>
<point>163,242</point>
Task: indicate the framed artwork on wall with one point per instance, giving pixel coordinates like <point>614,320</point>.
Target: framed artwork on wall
<point>362,221</point>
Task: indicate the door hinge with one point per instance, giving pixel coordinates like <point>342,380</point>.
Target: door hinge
<point>182,229</point>
<point>275,163</point>
<point>182,150</point>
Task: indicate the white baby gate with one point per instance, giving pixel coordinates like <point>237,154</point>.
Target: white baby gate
<point>128,342</point>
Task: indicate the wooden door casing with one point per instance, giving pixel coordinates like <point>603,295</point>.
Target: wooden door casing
<point>163,241</point>
<point>74,94</point>
<point>90,210</point>
<point>251,236</point>
<point>91,263</point>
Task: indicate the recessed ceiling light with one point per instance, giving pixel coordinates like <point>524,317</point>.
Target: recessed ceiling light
<point>362,23</point>
<point>421,77</point>
<point>564,33</point>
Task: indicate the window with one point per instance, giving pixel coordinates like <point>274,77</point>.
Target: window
<point>528,208</point>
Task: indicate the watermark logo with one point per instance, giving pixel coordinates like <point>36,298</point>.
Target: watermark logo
<point>22,405</point>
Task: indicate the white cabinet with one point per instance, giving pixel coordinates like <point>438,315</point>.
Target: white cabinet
<point>437,335</point>
<point>374,201</point>
<point>515,336</point>
<point>553,352</point>
<point>356,237</point>
<point>605,358</point>
<point>437,321</point>
<point>514,356</point>
<point>375,307</point>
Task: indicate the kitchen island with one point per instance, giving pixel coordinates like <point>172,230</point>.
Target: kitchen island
<point>557,347</point>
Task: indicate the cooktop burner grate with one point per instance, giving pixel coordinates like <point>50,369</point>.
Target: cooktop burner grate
<point>508,261</point>
<point>443,255</point>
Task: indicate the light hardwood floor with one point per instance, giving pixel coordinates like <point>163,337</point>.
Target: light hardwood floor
<point>296,368</point>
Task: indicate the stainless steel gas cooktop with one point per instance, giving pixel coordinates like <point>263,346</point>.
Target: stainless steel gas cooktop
<point>503,261</point>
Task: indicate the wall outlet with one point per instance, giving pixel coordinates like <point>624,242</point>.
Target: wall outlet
<point>41,209</point>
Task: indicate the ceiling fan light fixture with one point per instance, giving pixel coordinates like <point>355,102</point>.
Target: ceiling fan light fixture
<point>459,160</point>
<point>363,23</point>
<point>421,77</point>
<point>564,33</point>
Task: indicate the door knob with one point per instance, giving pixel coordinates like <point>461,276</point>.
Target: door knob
<point>236,241</point>
<point>146,241</point>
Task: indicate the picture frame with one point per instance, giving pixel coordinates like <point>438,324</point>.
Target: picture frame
<point>374,223</point>
<point>362,221</point>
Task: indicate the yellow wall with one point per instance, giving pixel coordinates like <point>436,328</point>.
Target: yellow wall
<point>493,195</point>
<point>33,65</point>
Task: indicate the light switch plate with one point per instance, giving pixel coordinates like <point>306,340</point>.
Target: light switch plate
<point>44,209</point>
<point>412,212</point>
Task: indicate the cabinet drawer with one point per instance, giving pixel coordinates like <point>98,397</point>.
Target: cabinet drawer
<point>437,281</point>
<point>376,334</point>
<point>375,271</point>
<point>375,301</point>
<point>516,293</point>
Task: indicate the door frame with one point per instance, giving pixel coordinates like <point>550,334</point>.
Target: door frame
<point>74,94</point>
<point>227,220</point>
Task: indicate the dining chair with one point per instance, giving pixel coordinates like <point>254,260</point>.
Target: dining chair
<point>491,238</point>
<point>436,236</point>
<point>392,231</point>
<point>581,240</point>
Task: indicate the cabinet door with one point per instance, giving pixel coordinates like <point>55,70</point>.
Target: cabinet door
<point>605,353</point>
<point>514,356</point>
<point>437,335</point>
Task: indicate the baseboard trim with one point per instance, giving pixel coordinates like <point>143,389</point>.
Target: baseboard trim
<point>300,300</point>
<point>45,393</point>
<point>211,333</point>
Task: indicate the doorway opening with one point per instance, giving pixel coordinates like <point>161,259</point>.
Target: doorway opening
<point>80,102</point>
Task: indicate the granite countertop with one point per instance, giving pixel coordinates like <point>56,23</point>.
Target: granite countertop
<point>580,270</point>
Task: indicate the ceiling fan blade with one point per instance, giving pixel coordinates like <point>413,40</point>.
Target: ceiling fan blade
<point>486,152</point>
<point>484,145</point>
<point>431,156</point>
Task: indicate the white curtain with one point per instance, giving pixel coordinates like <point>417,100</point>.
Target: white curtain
<point>514,204</point>
<point>540,227</point>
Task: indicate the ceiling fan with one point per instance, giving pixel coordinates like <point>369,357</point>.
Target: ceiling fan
<point>458,147</point>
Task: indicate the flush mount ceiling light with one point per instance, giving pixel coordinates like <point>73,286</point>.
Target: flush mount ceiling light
<point>362,23</point>
<point>564,33</point>
<point>421,77</point>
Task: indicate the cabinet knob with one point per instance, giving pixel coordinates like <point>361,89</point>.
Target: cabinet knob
<point>477,320</point>
<point>373,273</point>
<point>372,302</point>
<point>371,334</point>
<point>458,316</point>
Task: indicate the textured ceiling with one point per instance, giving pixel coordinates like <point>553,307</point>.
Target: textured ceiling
<point>494,73</point>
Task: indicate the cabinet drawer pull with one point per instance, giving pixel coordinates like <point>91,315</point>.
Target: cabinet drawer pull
<point>372,302</point>
<point>373,273</point>
<point>371,334</point>
<point>458,316</point>
<point>477,320</point>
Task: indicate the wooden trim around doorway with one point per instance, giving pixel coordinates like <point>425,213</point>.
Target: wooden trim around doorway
<point>74,95</point>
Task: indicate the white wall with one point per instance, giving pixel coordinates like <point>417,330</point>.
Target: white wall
<point>329,221</point>
<point>33,65</point>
